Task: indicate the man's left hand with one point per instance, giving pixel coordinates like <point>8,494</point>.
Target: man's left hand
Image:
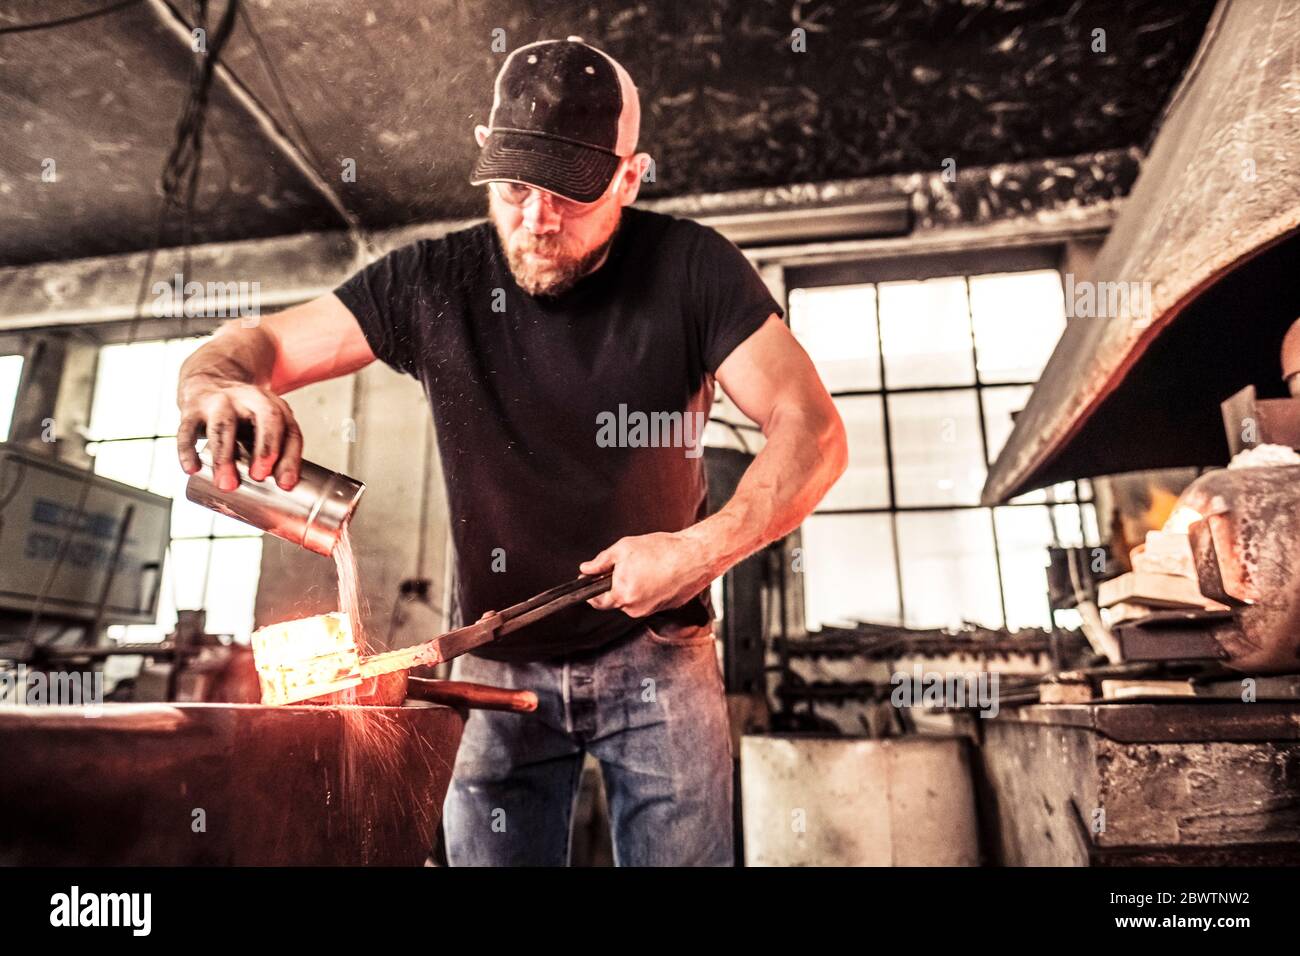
<point>652,572</point>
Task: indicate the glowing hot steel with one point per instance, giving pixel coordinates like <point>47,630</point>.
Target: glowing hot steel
<point>321,655</point>
<point>315,656</point>
<point>305,658</point>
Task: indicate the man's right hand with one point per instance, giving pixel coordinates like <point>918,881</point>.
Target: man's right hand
<point>214,407</point>
<point>242,372</point>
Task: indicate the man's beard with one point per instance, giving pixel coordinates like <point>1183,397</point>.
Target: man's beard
<point>562,267</point>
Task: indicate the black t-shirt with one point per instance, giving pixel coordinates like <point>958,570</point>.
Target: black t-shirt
<point>535,403</point>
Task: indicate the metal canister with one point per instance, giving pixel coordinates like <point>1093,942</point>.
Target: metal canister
<point>312,514</point>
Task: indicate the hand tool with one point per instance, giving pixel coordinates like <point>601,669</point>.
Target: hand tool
<point>305,660</point>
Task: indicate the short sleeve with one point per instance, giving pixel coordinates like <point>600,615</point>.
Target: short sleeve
<point>386,298</point>
<point>728,296</point>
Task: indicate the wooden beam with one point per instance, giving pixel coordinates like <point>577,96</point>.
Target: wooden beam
<point>292,269</point>
<point>287,270</point>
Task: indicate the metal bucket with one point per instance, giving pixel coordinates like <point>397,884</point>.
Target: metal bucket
<point>312,514</point>
<point>223,784</point>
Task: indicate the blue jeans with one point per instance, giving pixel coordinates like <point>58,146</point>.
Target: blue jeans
<point>650,707</point>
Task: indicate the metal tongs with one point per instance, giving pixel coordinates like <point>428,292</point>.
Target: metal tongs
<point>383,679</point>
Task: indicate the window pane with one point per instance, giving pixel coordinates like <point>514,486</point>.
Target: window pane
<point>1065,491</point>
<point>1036,497</point>
<point>1067,520</point>
<point>1018,318</point>
<point>925,333</point>
<point>189,573</point>
<point>232,585</point>
<point>1061,491</point>
<point>11,370</point>
<point>837,326</point>
<point>129,462</point>
<point>949,575</point>
<point>135,396</point>
<point>866,482</point>
<point>128,389</point>
<point>188,519</point>
<point>177,351</point>
<point>1092,534</point>
<point>935,333</point>
<point>849,570</point>
<point>1024,535</point>
<point>1069,619</point>
<point>999,405</point>
<point>938,454</point>
<point>164,467</point>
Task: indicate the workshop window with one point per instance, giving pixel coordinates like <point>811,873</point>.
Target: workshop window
<point>11,370</point>
<point>927,375</point>
<point>213,562</point>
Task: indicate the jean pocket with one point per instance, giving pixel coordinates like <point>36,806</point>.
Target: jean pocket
<point>677,635</point>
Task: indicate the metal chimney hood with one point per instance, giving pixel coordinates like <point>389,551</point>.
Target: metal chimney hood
<point>1211,225</point>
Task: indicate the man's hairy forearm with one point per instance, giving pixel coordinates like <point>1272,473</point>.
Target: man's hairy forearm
<point>234,354</point>
<point>805,454</point>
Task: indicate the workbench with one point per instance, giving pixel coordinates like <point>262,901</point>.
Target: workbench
<point>1187,782</point>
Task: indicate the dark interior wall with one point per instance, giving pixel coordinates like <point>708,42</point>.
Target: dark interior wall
<point>397,86</point>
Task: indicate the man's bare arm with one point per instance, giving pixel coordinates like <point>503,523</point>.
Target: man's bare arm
<point>772,380</point>
<point>241,374</point>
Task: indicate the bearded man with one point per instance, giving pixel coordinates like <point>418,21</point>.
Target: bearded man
<point>566,307</point>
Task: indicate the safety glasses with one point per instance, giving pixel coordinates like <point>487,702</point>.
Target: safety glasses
<point>519,195</point>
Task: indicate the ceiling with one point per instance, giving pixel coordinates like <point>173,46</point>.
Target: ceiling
<point>397,86</point>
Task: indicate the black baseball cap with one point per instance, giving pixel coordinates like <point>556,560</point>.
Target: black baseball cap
<point>564,115</point>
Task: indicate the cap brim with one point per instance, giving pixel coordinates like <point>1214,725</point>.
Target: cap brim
<point>575,172</point>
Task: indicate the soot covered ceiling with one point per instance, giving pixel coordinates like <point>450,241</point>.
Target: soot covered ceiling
<point>397,86</point>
